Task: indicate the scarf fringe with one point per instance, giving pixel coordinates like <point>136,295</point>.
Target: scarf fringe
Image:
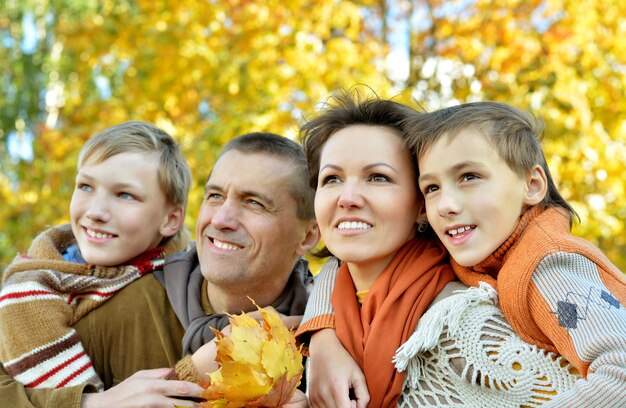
<point>447,312</point>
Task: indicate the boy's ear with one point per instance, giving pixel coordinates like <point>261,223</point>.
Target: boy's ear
<point>310,239</point>
<point>172,222</point>
<point>536,186</point>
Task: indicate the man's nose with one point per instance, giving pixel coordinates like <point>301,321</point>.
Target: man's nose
<point>226,216</point>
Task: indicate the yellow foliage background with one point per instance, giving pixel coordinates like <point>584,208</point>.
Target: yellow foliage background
<point>207,71</point>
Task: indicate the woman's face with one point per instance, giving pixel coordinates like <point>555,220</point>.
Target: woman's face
<point>366,202</point>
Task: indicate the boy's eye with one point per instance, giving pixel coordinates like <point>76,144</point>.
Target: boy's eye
<point>379,178</point>
<point>126,196</point>
<point>84,187</point>
<point>469,176</point>
<point>330,180</point>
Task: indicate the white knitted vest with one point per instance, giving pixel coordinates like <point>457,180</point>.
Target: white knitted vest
<point>464,353</point>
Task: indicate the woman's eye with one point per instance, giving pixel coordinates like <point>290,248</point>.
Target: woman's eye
<point>126,196</point>
<point>84,187</point>
<point>330,180</point>
<point>379,178</point>
<point>429,189</point>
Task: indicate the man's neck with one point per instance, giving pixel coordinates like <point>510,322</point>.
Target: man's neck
<point>236,301</point>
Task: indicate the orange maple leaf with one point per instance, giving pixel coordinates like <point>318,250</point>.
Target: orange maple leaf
<point>259,364</point>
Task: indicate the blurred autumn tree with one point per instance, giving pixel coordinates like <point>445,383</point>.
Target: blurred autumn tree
<point>207,71</point>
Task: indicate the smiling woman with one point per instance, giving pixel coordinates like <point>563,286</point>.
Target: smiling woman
<point>368,208</point>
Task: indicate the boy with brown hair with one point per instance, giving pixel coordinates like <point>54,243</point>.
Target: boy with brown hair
<point>127,214</point>
<point>491,200</point>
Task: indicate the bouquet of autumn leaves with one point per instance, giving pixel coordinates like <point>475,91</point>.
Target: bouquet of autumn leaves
<point>259,364</point>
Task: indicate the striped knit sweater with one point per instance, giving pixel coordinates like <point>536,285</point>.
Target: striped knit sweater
<point>43,296</point>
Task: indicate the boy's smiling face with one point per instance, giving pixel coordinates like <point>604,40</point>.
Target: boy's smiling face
<point>473,198</point>
<point>118,209</point>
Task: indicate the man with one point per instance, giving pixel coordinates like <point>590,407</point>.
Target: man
<point>255,223</point>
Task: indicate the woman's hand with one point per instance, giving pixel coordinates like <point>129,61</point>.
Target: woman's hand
<point>333,373</point>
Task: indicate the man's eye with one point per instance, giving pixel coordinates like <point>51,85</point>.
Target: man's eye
<point>255,203</point>
<point>213,197</point>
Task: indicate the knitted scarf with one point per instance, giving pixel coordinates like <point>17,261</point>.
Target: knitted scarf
<point>488,269</point>
<point>373,332</point>
<point>183,280</point>
<point>43,296</point>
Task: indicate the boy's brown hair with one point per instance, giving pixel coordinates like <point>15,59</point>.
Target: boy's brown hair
<point>515,135</point>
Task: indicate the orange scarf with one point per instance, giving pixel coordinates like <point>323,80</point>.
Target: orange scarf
<point>389,315</point>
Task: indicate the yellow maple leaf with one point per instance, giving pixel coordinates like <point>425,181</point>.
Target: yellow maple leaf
<point>259,364</point>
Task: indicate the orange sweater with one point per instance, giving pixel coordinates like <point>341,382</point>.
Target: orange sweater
<point>562,294</point>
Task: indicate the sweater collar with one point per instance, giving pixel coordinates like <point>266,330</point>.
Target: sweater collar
<point>493,263</point>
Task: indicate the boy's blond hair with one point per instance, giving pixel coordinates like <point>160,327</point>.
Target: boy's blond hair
<point>515,135</point>
<point>135,136</point>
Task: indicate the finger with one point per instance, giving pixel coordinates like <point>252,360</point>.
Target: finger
<point>155,373</point>
<point>270,308</point>
<point>340,394</point>
<point>175,389</point>
<point>256,315</point>
<point>292,322</point>
<point>361,393</point>
<point>174,402</point>
<point>226,330</point>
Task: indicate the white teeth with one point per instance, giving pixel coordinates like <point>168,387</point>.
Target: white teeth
<point>98,235</point>
<point>453,232</point>
<point>353,225</point>
<point>225,245</point>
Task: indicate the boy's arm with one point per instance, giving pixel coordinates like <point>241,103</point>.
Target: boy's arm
<point>574,308</point>
<point>14,394</point>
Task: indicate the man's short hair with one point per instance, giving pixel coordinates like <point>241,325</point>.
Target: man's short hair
<point>275,145</point>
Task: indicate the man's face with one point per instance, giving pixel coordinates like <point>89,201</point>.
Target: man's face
<point>248,236</point>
